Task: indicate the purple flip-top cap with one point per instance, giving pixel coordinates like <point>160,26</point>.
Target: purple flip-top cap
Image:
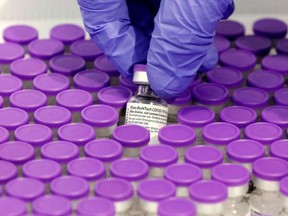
<point>140,67</point>
<point>221,43</point>
<point>9,84</point>
<point>35,134</point>
<point>87,49</point>
<point>228,77</point>
<point>197,79</point>
<point>67,33</point>
<point>231,174</point>
<point>102,63</point>
<point>230,29</point>
<point>21,34</point>
<point>240,59</point>
<point>271,28</point>
<point>128,83</point>
<point>51,84</point>
<point>177,135</point>
<point>183,174</point>
<point>114,189</point>
<point>20,117</point>
<point>74,99</point>
<point>27,189</point>
<point>29,100</point>
<point>91,80</point>
<point>156,189</point>
<point>45,49</point>
<point>10,52</point>
<point>277,115</point>
<point>176,207</point>
<point>282,46</point>
<point>28,69</point>
<point>279,149</point>
<point>130,135</point>
<point>42,169</point>
<point>240,116</point>
<point>210,93</point>
<point>284,186</point>
<point>115,96</point>
<point>4,135</point>
<point>278,63</point>
<point>96,206</point>
<point>88,168</point>
<point>251,97</point>
<point>245,151</point>
<point>72,187</point>
<point>52,205</point>
<point>184,99</point>
<point>77,133</point>
<point>195,116</point>
<point>67,64</point>
<point>129,169</point>
<point>208,191</point>
<point>281,97</point>
<point>159,155</point>
<point>60,151</point>
<point>8,171</point>
<point>263,132</point>
<point>12,206</point>
<point>220,133</point>
<point>204,156</point>
<point>17,152</point>
<point>105,150</point>
<point>270,168</point>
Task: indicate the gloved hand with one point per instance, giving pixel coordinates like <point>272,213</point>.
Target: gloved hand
<point>181,40</point>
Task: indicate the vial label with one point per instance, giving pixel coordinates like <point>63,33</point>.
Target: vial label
<point>149,116</point>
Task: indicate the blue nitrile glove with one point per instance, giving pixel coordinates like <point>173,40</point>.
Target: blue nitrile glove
<point>181,41</point>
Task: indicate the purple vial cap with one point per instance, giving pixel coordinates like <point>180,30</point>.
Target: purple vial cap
<point>183,174</point>
<point>271,28</point>
<point>26,189</point>
<point>35,134</point>
<point>280,97</point>
<point>184,99</point>
<point>88,168</point>
<point>9,84</point>
<point>245,151</point>
<point>51,84</point>
<point>159,155</point>
<point>156,189</point>
<point>221,43</point>
<point>176,207</point>
<point>204,156</point>
<point>197,79</point>
<point>208,191</point>
<point>130,135</point>
<point>105,150</point>
<point>114,189</point>
<point>251,97</point>
<point>230,29</point>
<point>102,63</point>
<point>128,83</point>
<point>277,115</point>
<point>87,49</point>
<point>8,171</point>
<point>52,205</point>
<point>77,133</point>
<point>28,69</point>
<point>4,135</point>
<point>10,52</point>
<point>12,206</point>
<point>96,206</point>
<point>140,67</point>
<point>270,168</point>
<point>29,100</point>
<point>279,149</point>
<point>17,152</point>
<point>67,33</point>
<point>129,169</point>
<point>239,59</point>
<point>20,117</point>
<point>239,116</point>
<point>1,102</point>
<point>60,151</point>
<point>278,63</point>
<point>91,80</point>
<point>231,174</point>
<point>67,64</point>
<point>42,169</point>
<point>100,115</point>
<point>45,49</point>
<point>228,77</point>
<point>195,116</point>
<point>74,99</point>
<point>115,96</point>
<point>263,132</point>
<point>21,34</point>
<point>282,46</point>
<point>177,135</point>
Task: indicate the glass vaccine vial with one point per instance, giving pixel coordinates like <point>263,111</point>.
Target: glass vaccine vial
<point>146,108</point>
